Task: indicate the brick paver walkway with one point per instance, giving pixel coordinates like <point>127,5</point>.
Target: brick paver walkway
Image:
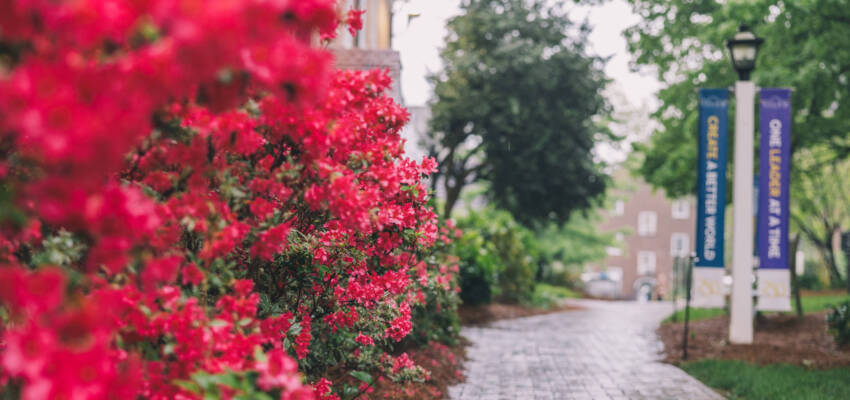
<point>607,351</point>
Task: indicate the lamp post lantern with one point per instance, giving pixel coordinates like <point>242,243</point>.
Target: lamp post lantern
<point>743,49</point>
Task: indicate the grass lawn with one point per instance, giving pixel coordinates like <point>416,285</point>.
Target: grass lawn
<point>814,303</point>
<point>771,382</point>
<point>696,314</point>
<point>811,303</point>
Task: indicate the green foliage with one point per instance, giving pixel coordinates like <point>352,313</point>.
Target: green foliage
<point>809,280</point>
<point>820,203</point>
<point>516,282</point>
<point>838,321</point>
<point>548,296</point>
<point>478,267</point>
<point>209,386</point>
<point>806,48</point>
<point>513,108</point>
<point>496,258</point>
<point>501,259</point>
<point>771,382</point>
<point>60,249</point>
<point>565,248</point>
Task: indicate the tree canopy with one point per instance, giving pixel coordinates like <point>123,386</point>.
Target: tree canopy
<point>514,107</point>
<point>807,47</point>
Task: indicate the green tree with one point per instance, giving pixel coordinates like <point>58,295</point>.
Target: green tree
<point>514,107</point>
<point>820,202</point>
<point>807,47</point>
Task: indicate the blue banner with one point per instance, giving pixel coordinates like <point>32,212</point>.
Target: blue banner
<point>774,177</point>
<point>711,195</point>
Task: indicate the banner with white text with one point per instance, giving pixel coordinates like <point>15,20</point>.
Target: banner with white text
<point>774,280</point>
<point>708,289</point>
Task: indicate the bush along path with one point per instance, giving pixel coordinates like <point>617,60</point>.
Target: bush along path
<point>186,214</point>
<point>603,351</point>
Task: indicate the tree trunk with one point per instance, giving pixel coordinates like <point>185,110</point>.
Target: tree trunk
<point>845,248</point>
<point>452,196</point>
<point>795,288</point>
<point>847,281</point>
<point>835,276</point>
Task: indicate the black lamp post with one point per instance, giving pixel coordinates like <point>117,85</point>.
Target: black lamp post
<point>743,49</point>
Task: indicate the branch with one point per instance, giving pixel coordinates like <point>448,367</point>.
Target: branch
<point>808,232</point>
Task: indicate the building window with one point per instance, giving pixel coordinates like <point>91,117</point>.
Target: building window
<point>619,208</point>
<point>646,263</point>
<point>679,244</point>
<point>681,209</point>
<point>647,223</point>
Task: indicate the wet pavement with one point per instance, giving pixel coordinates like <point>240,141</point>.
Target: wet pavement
<point>606,351</point>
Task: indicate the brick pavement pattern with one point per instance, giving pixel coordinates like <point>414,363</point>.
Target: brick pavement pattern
<point>607,351</point>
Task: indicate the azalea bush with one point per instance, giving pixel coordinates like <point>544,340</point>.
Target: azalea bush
<point>195,204</point>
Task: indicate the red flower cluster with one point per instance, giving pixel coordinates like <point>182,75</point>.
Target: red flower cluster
<point>189,193</point>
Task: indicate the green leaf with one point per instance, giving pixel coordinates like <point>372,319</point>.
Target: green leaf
<point>145,310</point>
<point>363,376</point>
<point>294,329</point>
<point>259,355</point>
<point>217,323</point>
<point>349,391</point>
<point>188,385</point>
<point>228,379</point>
<point>204,380</point>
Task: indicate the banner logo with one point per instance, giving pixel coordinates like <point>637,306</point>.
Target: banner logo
<point>714,101</point>
<point>776,102</point>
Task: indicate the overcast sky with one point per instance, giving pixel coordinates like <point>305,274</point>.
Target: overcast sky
<point>420,40</point>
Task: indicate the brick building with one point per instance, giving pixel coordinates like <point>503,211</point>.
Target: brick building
<point>650,231</point>
<point>371,47</point>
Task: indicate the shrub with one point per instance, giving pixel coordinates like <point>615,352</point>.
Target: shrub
<point>566,248</point>
<point>516,282</point>
<point>479,266</point>
<point>496,258</point>
<point>186,214</point>
<point>838,321</point>
<point>810,280</point>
